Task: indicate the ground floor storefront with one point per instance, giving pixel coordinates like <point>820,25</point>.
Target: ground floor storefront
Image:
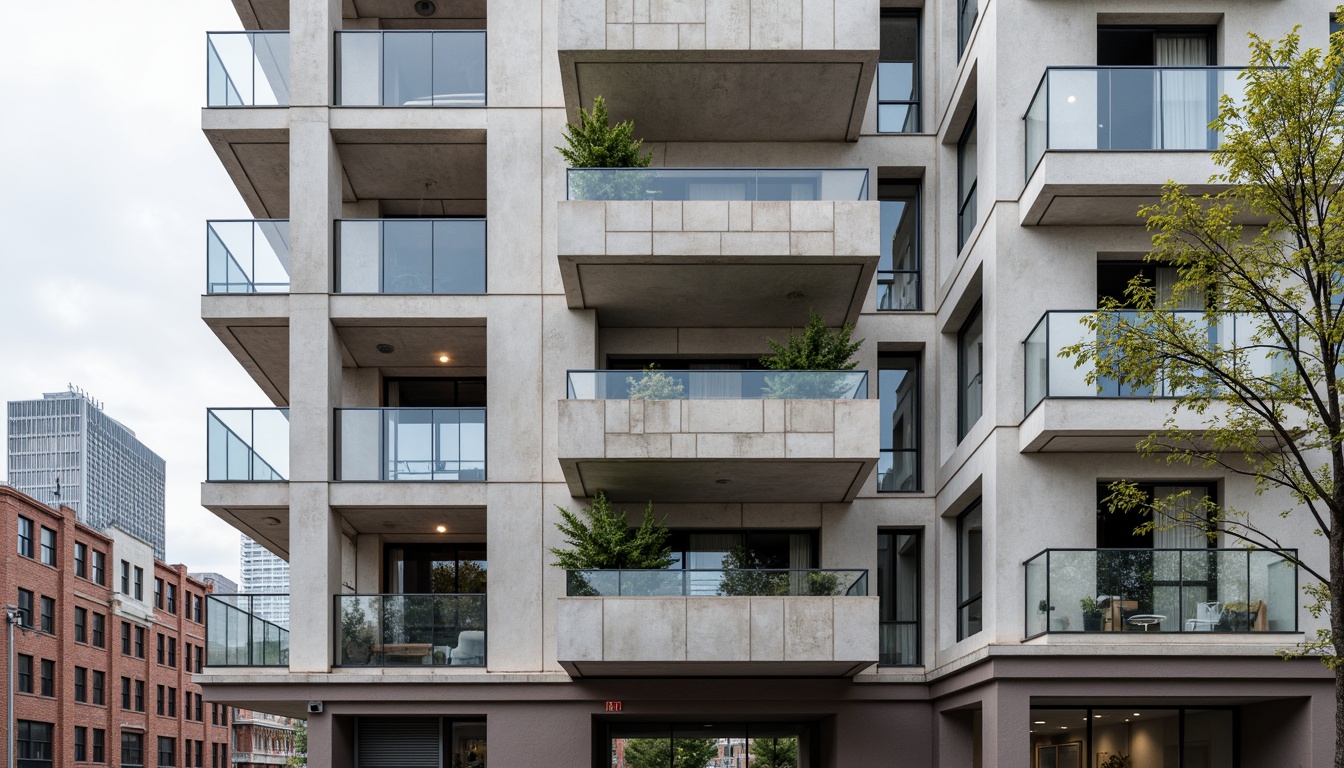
<point>1028,711</point>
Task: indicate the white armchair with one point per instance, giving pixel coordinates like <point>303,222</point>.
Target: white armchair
<point>1207,616</point>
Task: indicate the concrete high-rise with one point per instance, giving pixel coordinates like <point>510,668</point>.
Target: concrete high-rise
<point>455,332</point>
<point>64,450</point>
<point>266,578</point>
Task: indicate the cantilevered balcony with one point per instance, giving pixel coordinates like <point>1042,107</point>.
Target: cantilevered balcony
<point>1101,141</point>
<point>723,70</point>
<point>718,436</point>
<point>818,623</point>
<point>434,630</point>
<point>1161,590</point>
<point>432,163</point>
<point>715,247</point>
<point>1062,412</point>
<point>247,466</point>
<point>410,444</point>
<point>247,630</point>
<point>247,256</point>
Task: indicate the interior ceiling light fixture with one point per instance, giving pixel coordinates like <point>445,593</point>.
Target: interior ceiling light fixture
<point>443,358</point>
<point>424,7</point>
<point>441,528</point>
<point>386,349</point>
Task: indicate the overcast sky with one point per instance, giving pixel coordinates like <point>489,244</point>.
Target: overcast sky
<point>106,182</point>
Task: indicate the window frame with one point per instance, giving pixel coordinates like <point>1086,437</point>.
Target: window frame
<point>47,614</point>
<point>23,665</point>
<point>916,102</point>
<point>918,621</point>
<point>98,570</point>
<point>24,538</point>
<point>98,630</point>
<point>887,277</point>
<point>132,748</point>
<point>963,382</point>
<point>98,686</point>
<point>82,684</point>
<point>47,677</point>
<point>966,602</point>
<point>963,27</point>
<point>25,606</point>
<point>27,741</point>
<point>81,624</point>
<point>81,560</point>
<point>966,197</point>
<point>884,447</point>
<point>99,751</point>
<point>47,549</point>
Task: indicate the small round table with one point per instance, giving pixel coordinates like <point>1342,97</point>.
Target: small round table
<point>1146,620</point>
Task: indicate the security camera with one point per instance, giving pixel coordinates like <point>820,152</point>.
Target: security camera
<point>314,707</point>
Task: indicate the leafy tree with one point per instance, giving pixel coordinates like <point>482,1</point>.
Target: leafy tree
<point>670,753</point>
<point>775,753</point>
<point>300,756</point>
<point>603,539</point>
<point>818,349</point>
<point>1277,288</point>
<point>596,143</point>
<point>655,385</point>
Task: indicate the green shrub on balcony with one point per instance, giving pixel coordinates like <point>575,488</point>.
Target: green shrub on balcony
<point>818,349</point>
<point>600,538</point>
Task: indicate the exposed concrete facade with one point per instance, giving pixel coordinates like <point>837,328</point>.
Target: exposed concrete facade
<point>1033,246</point>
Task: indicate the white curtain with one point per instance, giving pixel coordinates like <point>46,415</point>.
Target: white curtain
<point>715,385</point>
<point>1166,291</point>
<point>1184,528</point>
<point>1184,93</point>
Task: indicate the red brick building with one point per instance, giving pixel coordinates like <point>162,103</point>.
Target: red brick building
<point>261,739</point>
<point>111,638</point>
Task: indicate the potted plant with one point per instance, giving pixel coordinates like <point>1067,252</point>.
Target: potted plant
<point>818,349</point>
<point>655,385</point>
<point>595,143</point>
<point>1092,614</point>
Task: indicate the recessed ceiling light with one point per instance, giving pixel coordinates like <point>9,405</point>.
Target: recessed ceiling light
<point>386,349</point>
<point>1071,99</point>
<point>443,358</point>
<point>271,520</point>
<point>441,528</point>
<point>1038,722</point>
<point>424,7</point>
<point>1136,714</point>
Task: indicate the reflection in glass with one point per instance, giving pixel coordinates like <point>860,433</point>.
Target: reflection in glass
<point>399,444</point>
<point>898,386</point>
<point>247,444</point>
<point>717,385</point>
<point>247,69</point>
<point>898,579</point>
<point>443,68</point>
<point>970,373</point>
<point>427,256</point>
<point>717,184</point>
<point>236,635</point>
<point>898,75</point>
<point>898,262</point>
<point>411,630</point>
<point>247,256</point>
<point>970,570</point>
<point>967,173</point>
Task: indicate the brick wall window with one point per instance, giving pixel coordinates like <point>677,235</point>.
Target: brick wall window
<point>81,743</point>
<point>33,742</point>
<point>196,609</point>
<point>172,702</point>
<point>99,568</point>
<point>26,607</point>
<point>81,625</point>
<point>167,751</point>
<point>48,616</point>
<point>81,560</point>
<point>139,583</point>
<point>48,669</point>
<point>172,652</point>
<point>126,638</point>
<point>81,684</point>
<point>132,748</point>
<point>25,537</point>
<point>98,636</point>
<point>125,577</point>
<point>99,679</point>
<point>139,695</point>
<point>99,745</point>
<point>159,647</point>
<point>139,642</point>
<point>159,697</point>
<point>158,593</point>
<point>25,667</point>
<point>172,599</point>
<point>200,753</point>
<point>48,546</point>
<point>126,693</point>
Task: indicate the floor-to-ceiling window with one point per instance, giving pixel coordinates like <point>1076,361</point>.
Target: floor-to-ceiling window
<point>967,174</point>
<point>898,464</point>
<point>898,73</point>
<point>898,265</point>
<point>1169,737</point>
<point>970,571</point>
<point>970,372</point>
<point>898,590</point>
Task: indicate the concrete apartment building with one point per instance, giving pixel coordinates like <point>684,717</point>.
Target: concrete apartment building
<point>64,450</point>
<point>103,663</point>
<point>451,324</point>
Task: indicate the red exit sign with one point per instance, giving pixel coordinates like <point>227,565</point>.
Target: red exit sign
<point>613,706</point>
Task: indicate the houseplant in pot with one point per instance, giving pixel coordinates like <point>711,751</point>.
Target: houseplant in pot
<point>1093,614</point>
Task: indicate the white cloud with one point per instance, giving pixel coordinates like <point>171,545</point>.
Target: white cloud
<point>106,185</point>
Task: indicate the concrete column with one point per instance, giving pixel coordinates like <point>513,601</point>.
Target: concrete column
<point>514,601</point>
<point>331,741</point>
<point>1006,728</point>
<point>312,56</point>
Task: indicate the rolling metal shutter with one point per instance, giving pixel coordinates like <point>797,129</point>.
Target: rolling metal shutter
<point>404,742</point>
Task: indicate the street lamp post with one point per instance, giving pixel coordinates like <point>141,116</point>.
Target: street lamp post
<point>12,617</point>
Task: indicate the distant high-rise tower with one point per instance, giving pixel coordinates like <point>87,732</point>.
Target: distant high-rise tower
<point>64,450</point>
<point>263,573</point>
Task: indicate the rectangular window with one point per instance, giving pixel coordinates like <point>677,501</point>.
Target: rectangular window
<point>139,583</point>
<point>99,745</point>
<point>25,677</point>
<point>214,756</point>
<point>33,742</point>
<point>899,574</point>
<point>196,609</point>
<point>132,748</point>
<point>81,560</point>
<point>126,638</point>
<point>167,751</point>
<point>139,695</point>
<point>1148,736</point>
<point>214,714</point>
<point>172,599</point>
<point>967,11</point>
<point>98,636</point>
<point>898,73</point>
<point>48,615</point>
<point>898,264</point>
<point>99,568</point>
<point>81,743</point>
<point>200,715</point>
<point>172,652</point>
<point>158,593</point>
<point>48,668</point>
<point>898,465</point>
<point>125,577</point>
<point>970,372</point>
<point>25,607</point>
<point>200,753</point>
<point>99,680</point>
<point>159,651</point>
<point>172,702</point>
<point>25,537</point>
<point>48,546</point>
<point>81,625</point>
<point>967,173</point>
<point>139,642</point>
<point>126,693</point>
<point>81,684</point>
<point>970,570</point>
<point>159,701</point>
